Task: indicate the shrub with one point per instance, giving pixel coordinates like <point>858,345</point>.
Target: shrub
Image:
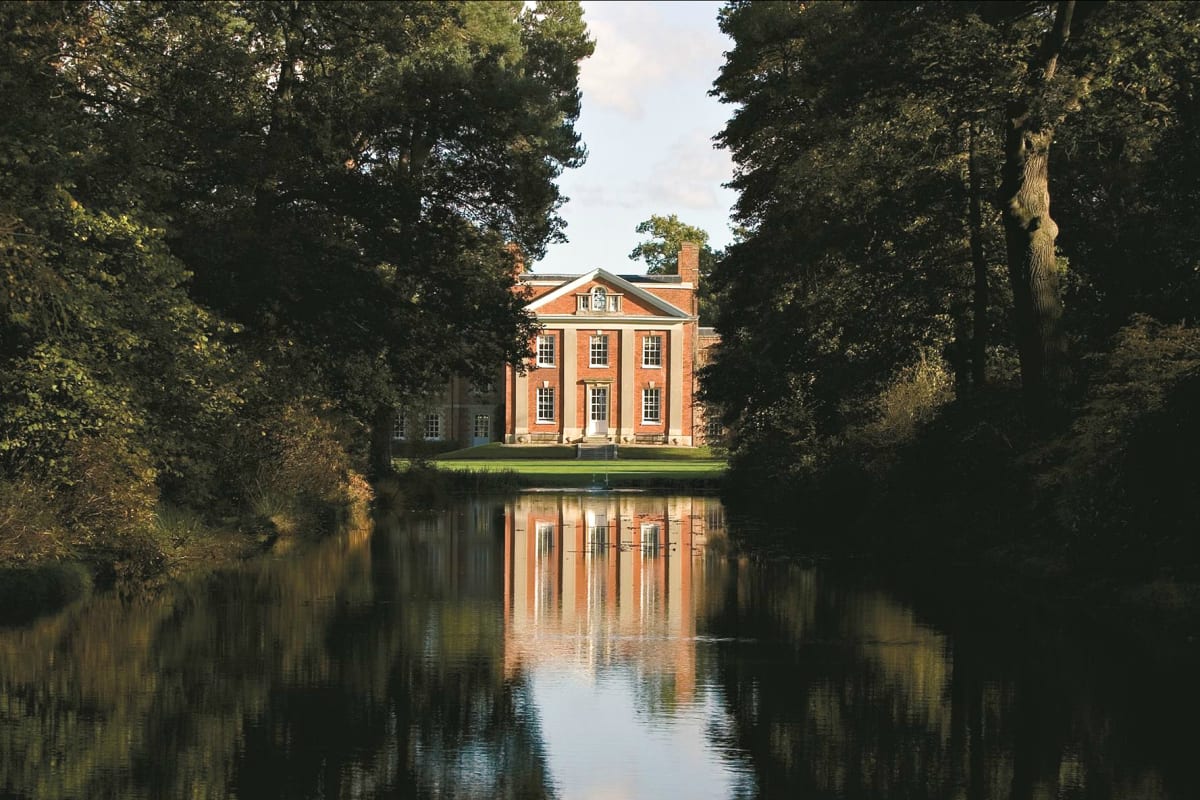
<point>911,398</point>
<point>1086,474</point>
<point>30,529</point>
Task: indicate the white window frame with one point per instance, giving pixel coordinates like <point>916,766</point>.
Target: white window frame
<point>546,349</point>
<point>543,399</point>
<point>433,426</point>
<point>651,538</point>
<point>545,537</point>
<point>655,393</point>
<point>487,426</point>
<point>599,298</point>
<point>598,344</point>
<point>400,427</point>
<point>652,356</point>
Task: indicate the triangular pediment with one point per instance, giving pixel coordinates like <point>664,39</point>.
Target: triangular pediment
<point>613,283</point>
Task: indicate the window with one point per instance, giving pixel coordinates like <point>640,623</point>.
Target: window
<point>545,538</point>
<point>600,350</point>
<point>713,429</point>
<point>599,299</point>
<point>433,426</point>
<point>651,537</point>
<point>545,404</point>
<point>483,426</point>
<point>482,387</point>
<point>545,350</point>
<point>400,427</point>
<point>652,406</point>
<point>652,351</point>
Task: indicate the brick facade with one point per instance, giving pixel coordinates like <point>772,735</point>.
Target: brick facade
<point>626,399</point>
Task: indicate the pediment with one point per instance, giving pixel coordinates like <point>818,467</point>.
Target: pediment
<point>646,301</point>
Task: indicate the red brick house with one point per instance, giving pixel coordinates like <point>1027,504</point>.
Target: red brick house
<point>616,360</point>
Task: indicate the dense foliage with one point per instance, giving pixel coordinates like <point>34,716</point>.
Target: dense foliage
<point>897,166</point>
<point>232,229</point>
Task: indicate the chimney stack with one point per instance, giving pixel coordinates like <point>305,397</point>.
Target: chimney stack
<point>689,271</point>
<point>689,263</point>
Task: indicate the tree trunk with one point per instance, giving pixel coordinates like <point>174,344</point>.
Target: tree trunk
<point>380,459</point>
<point>1029,231</point>
<point>1029,234</point>
<point>979,296</point>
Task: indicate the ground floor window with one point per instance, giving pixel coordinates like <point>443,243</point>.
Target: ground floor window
<point>652,406</point>
<point>433,426</point>
<point>545,404</point>
<point>712,429</point>
<point>400,427</point>
<point>483,426</point>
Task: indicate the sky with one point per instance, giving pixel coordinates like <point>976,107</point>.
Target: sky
<point>648,123</point>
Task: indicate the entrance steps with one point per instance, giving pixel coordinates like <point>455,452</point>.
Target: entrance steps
<point>595,452</point>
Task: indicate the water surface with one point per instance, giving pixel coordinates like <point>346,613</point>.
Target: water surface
<point>578,646</point>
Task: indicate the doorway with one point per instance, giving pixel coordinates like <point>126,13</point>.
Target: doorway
<point>597,411</point>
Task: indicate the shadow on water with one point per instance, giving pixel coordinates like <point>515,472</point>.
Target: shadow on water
<point>578,644</point>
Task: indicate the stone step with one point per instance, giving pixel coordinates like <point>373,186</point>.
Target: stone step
<point>596,452</point>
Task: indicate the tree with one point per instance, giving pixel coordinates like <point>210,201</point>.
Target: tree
<point>111,375</point>
<point>661,253</point>
<point>865,175</point>
<point>363,166</point>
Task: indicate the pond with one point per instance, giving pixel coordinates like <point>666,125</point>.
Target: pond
<point>566,645</point>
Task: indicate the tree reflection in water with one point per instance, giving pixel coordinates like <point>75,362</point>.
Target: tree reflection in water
<point>412,661</point>
<point>368,667</point>
<point>837,689</point>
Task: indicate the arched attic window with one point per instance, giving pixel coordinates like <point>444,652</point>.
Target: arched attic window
<point>599,299</point>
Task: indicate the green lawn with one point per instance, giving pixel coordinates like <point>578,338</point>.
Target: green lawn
<point>555,466</point>
<point>527,452</point>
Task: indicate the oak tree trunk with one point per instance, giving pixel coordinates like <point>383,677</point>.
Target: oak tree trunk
<point>1030,233</point>
<point>1029,230</point>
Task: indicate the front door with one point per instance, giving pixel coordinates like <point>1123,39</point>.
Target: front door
<point>598,411</point>
<point>482,431</point>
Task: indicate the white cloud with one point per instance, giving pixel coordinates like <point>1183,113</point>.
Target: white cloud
<point>691,174</point>
<point>638,49</point>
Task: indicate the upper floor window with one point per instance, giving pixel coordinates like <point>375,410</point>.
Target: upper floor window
<point>652,351</point>
<point>599,350</point>
<point>598,301</point>
<point>545,350</point>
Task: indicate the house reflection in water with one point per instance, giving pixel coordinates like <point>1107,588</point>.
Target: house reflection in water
<point>598,579</point>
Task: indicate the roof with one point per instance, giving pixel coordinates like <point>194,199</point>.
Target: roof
<point>629,287</point>
<point>561,278</point>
